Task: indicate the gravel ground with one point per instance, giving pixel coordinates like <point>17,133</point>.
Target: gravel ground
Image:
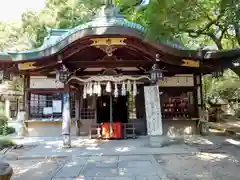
<point>213,162</point>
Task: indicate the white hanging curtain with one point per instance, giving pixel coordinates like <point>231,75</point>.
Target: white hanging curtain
<point>85,91</point>
<point>108,87</point>
<point>95,88</point>
<point>90,90</point>
<point>129,87</point>
<point>123,89</point>
<point>134,88</point>
<point>99,89</point>
<point>87,88</point>
<point>115,90</point>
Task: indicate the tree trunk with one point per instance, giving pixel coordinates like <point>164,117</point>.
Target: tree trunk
<point>237,33</point>
<point>217,41</point>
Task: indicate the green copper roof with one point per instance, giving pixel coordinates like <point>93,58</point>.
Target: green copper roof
<point>5,57</point>
<point>60,38</point>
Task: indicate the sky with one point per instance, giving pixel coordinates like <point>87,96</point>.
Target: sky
<point>11,10</point>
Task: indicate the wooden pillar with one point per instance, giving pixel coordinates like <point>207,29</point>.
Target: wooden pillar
<point>26,98</point>
<point>66,122</point>
<point>201,91</point>
<point>78,99</point>
<point>196,82</point>
<point>7,108</point>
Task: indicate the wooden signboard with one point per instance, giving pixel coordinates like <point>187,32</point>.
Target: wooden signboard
<point>153,110</point>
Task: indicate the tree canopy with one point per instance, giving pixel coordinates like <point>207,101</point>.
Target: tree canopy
<point>195,23</point>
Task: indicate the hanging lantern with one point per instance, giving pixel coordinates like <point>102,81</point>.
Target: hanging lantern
<point>123,89</point>
<point>115,90</point>
<point>134,88</point>
<point>217,74</point>
<point>4,75</point>
<point>62,74</point>
<point>236,63</point>
<point>108,87</point>
<point>1,75</point>
<point>99,89</point>
<point>156,73</point>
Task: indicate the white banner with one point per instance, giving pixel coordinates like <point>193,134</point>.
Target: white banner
<point>66,114</point>
<point>153,110</point>
<point>57,106</point>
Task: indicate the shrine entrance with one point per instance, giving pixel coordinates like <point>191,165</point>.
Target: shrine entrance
<point>112,101</point>
<point>110,108</point>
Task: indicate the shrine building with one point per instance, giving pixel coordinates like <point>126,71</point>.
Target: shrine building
<point>106,74</point>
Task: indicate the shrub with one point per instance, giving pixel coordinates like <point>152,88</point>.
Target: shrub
<point>3,120</point>
<point>10,130</point>
<point>6,143</point>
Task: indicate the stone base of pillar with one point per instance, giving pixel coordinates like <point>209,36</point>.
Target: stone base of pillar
<point>66,141</point>
<point>158,141</point>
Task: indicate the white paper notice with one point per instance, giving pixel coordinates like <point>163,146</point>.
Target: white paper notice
<point>57,106</point>
<point>47,110</point>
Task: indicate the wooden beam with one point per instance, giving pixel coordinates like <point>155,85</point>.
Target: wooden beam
<point>71,50</point>
<point>113,64</point>
<point>90,73</point>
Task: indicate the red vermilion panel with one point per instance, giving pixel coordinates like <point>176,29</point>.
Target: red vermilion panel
<point>117,130</point>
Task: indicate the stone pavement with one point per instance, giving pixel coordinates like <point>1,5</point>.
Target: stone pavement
<point>35,169</point>
<point>83,146</point>
<point>89,168</point>
<point>209,158</point>
<point>201,166</point>
<point>111,168</point>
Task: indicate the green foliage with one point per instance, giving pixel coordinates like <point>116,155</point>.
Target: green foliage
<point>12,37</point>
<point>10,130</point>
<point>16,84</point>
<point>200,22</point>
<point>196,23</point>
<point>57,14</point>
<point>6,143</point>
<point>3,120</point>
<point>225,88</point>
<point>3,124</point>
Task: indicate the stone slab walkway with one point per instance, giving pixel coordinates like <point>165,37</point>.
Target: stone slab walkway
<point>210,158</point>
<point>86,147</point>
<point>111,168</point>
<point>40,169</point>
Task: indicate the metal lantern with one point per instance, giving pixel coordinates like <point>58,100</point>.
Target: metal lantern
<point>156,73</point>
<point>217,74</point>
<point>236,63</point>
<point>62,74</point>
<point>1,75</point>
<point>4,75</point>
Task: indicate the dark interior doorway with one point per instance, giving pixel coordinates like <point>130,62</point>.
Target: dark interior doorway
<point>119,109</point>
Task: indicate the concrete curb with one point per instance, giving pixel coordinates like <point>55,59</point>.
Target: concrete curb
<point>40,157</point>
<point>35,157</point>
